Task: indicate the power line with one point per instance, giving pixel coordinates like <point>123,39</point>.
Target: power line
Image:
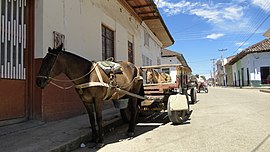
<point>252,33</point>
<point>253,26</point>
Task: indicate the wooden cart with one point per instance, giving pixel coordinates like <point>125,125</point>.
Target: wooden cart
<point>170,96</point>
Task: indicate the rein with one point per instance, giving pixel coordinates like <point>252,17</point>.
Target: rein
<point>59,80</point>
<point>72,80</point>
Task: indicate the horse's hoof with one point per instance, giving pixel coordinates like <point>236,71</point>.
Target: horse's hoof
<point>130,134</point>
<point>100,145</point>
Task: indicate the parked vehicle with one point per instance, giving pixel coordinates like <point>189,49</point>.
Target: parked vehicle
<point>202,87</point>
<point>170,96</point>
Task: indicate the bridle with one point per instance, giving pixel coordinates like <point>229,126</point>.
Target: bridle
<point>48,76</point>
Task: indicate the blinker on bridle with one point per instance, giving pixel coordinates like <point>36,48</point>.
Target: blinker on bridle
<point>48,77</point>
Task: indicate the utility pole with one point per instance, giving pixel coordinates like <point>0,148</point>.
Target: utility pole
<point>223,66</point>
<point>214,80</point>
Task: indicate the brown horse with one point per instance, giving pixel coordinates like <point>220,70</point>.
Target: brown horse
<point>93,85</point>
<point>157,77</point>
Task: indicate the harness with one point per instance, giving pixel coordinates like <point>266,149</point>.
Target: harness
<point>110,87</point>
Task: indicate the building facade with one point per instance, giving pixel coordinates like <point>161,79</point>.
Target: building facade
<point>221,76</point>
<point>229,72</point>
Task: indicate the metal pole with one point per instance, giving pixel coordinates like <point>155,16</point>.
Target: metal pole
<point>213,61</point>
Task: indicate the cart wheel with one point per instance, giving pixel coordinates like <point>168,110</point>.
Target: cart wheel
<point>193,95</point>
<point>206,90</point>
<point>178,116</point>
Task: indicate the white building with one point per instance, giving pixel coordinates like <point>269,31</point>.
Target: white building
<point>220,72</point>
<point>171,57</point>
<point>97,29</point>
<point>251,67</point>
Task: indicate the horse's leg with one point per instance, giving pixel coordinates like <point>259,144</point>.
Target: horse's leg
<point>133,110</point>
<point>91,114</point>
<point>98,108</point>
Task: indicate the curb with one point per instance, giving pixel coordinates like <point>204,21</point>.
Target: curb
<point>75,143</point>
<point>265,91</point>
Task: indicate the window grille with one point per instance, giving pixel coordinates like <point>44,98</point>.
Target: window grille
<point>107,43</point>
<point>13,39</point>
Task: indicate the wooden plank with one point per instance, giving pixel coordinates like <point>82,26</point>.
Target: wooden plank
<point>157,84</point>
<point>162,65</point>
<point>153,92</point>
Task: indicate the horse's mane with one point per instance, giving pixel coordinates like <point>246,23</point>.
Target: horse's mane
<point>76,57</point>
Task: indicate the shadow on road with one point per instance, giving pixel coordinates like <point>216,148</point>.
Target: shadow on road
<point>145,123</point>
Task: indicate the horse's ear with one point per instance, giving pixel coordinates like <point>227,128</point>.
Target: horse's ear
<point>60,47</point>
<point>50,49</point>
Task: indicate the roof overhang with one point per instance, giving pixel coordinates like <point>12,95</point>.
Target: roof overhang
<point>146,11</point>
<point>180,57</point>
<point>260,47</point>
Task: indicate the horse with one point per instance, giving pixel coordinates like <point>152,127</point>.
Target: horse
<point>93,85</point>
<point>157,77</point>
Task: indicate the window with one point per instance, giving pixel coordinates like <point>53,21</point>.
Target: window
<point>146,61</point>
<point>158,61</point>
<point>146,38</point>
<point>130,52</point>
<point>107,43</point>
<point>166,70</point>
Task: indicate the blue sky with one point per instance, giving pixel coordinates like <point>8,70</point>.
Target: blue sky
<point>202,27</point>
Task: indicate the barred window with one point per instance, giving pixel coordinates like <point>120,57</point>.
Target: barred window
<point>107,43</point>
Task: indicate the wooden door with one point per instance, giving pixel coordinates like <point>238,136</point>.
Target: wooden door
<point>13,56</point>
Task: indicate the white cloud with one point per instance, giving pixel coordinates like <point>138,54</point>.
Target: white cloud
<point>214,36</point>
<point>224,16</point>
<point>263,4</point>
<point>173,8</point>
<point>211,12</point>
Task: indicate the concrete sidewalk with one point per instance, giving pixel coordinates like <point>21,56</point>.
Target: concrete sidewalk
<point>57,136</point>
<point>265,89</point>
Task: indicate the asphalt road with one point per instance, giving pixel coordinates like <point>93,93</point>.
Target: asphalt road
<point>225,119</point>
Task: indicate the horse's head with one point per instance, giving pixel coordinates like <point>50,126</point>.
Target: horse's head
<point>49,67</point>
<point>150,75</point>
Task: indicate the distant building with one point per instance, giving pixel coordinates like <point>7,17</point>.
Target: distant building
<point>267,34</point>
<point>251,67</point>
<point>171,57</point>
<point>220,73</point>
<point>229,72</point>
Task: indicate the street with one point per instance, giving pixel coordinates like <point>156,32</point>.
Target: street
<point>225,119</point>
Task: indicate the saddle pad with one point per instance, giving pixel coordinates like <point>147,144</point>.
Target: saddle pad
<point>110,67</point>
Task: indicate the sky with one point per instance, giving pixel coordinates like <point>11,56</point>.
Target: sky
<point>201,28</point>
